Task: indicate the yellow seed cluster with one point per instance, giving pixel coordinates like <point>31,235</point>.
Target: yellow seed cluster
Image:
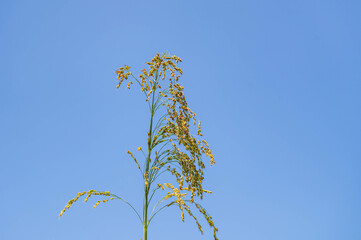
<point>104,201</point>
<point>123,73</point>
<point>179,117</point>
<point>183,206</point>
<point>89,194</point>
<point>135,160</point>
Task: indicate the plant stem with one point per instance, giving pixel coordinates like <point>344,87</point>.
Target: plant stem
<point>145,231</point>
<point>146,171</point>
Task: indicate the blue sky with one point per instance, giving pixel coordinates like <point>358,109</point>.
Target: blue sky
<point>276,85</point>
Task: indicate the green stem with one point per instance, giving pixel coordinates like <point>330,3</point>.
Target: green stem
<point>146,172</point>
<point>145,231</point>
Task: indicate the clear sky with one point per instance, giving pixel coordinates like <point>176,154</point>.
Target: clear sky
<point>276,84</point>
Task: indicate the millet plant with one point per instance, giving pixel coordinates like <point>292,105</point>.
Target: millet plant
<point>175,145</point>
